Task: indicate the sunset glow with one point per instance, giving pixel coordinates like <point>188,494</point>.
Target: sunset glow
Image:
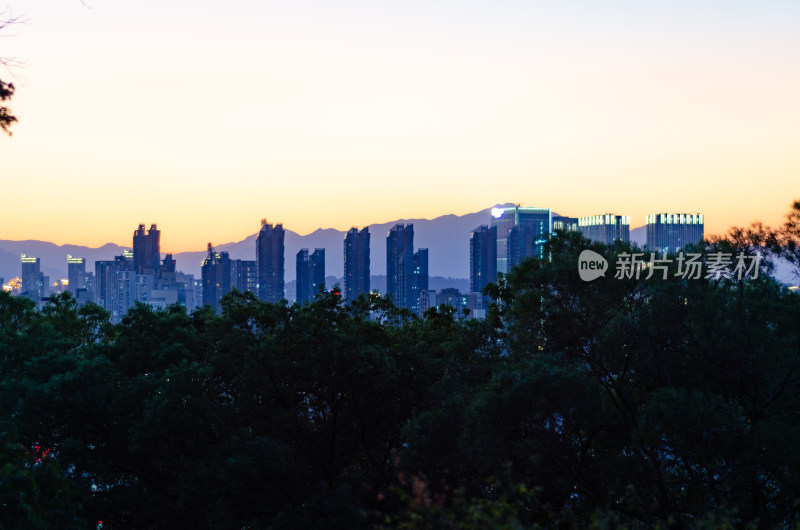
<point>207,118</point>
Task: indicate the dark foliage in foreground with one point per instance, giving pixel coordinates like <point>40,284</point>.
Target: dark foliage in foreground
<point>616,403</point>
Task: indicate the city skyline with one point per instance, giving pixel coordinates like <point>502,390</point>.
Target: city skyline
<point>254,109</point>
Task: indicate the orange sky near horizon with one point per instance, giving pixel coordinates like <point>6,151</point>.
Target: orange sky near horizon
<point>348,113</point>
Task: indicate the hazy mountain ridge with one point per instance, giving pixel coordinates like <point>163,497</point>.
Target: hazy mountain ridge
<point>53,257</point>
<point>446,237</point>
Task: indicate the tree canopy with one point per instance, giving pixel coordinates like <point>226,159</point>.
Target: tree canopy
<point>616,403</point>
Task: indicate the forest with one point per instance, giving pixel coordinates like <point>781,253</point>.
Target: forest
<point>616,403</point>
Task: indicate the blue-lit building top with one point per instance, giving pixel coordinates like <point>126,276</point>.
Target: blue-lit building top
<point>606,228</point>
<point>521,233</point>
<point>670,232</point>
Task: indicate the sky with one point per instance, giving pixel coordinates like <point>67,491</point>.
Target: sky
<point>206,117</point>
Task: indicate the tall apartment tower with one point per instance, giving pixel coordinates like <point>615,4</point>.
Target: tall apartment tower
<point>310,274</point>
<point>35,285</point>
<point>482,257</point>
<point>399,263</point>
<point>244,275</point>
<point>146,250</point>
<point>521,233</point>
<point>419,279</point>
<point>216,274</point>
<point>269,262</point>
<point>606,228</point>
<point>113,284</point>
<point>356,263</point>
<point>76,274</point>
<point>406,271</point>
<point>670,232</point>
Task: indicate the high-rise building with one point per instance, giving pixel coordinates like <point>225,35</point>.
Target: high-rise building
<point>533,228</point>
<point>269,262</point>
<point>482,257</point>
<point>399,263</point>
<point>303,292</point>
<point>166,271</point>
<point>406,271</point>
<point>35,285</point>
<point>310,274</point>
<point>76,274</point>
<point>216,273</point>
<point>356,263</point>
<point>244,275</point>
<point>606,228</point>
<point>113,284</point>
<point>318,271</point>
<point>565,224</point>
<point>524,241</point>
<point>419,279</point>
<point>146,250</point>
<point>671,232</point>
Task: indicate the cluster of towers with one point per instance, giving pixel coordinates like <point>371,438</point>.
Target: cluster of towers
<point>517,232</point>
<point>512,234</point>
<point>407,271</point>
<point>142,276</point>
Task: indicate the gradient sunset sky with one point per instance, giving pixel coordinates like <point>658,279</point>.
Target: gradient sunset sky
<point>205,117</point>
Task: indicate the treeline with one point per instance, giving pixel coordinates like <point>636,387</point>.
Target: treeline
<point>615,403</point>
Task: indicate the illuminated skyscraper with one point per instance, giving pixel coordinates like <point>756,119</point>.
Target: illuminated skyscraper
<point>521,233</point>
<point>35,285</point>
<point>565,224</point>
<point>671,232</point>
<point>76,274</point>
<point>356,263</point>
<point>606,228</point>
<point>269,262</point>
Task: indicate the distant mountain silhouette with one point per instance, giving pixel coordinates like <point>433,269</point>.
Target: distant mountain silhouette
<point>638,235</point>
<point>446,238</point>
<point>53,257</point>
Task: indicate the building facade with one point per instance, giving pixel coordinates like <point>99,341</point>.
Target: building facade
<point>269,262</point>
<point>670,232</point>
<point>565,224</point>
<point>356,263</point>
<point>521,233</point>
<point>406,271</point>
<point>606,228</point>
<point>482,257</point>
<point>310,277</point>
<point>244,275</point>
<point>146,250</point>
<point>216,275</point>
<point>35,285</point>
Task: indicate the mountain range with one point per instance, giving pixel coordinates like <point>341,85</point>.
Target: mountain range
<point>446,238</point>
